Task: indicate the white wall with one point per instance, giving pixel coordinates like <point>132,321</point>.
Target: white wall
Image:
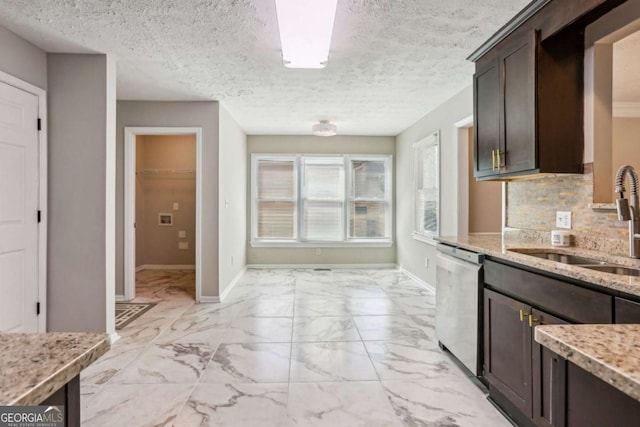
<point>23,60</point>
<point>81,95</point>
<point>412,254</point>
<point>305,144</point>
<point>202,114</point>
<point>233,202</point>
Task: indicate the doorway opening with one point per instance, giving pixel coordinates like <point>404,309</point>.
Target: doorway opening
<point>480,203</point>
<point>163,213</point>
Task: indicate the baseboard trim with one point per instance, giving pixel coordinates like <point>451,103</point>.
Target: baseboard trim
<point>120,298</point>
<point>233,282</point>
<point>166,267</point>
<point>208,300</point>
<point>342,266</point>
<point>421,282</point>
<point>113,337</point>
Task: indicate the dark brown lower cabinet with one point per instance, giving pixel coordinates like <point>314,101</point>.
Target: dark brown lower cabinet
<point>591,402</point>
<point>627,311</point>
<point>507,351</point>
<point>548,373</point>
<point>69,397</point>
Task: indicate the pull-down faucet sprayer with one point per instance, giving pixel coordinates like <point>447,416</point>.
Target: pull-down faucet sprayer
<point>628,209</point>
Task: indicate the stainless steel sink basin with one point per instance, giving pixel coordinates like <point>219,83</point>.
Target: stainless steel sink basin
<point>614,269</point>
<point>566,259</point>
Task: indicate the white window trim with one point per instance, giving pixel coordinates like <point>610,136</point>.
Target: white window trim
<point>298,213</point>
<point>421,235</point>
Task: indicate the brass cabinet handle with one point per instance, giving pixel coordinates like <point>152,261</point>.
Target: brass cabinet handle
<point>523,315</point>
<point>499,159</point>
<point>532,321</point>
<point>493,160</point>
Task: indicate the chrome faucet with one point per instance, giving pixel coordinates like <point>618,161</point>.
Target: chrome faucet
<point>628,209</point>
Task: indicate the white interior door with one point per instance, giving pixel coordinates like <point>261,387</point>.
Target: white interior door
<point>18,210</point>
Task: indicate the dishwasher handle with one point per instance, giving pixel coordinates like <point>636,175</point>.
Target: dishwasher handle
<point>463,254</point>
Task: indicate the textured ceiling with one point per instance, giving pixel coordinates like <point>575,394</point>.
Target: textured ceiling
<point>391,61</point>
<point>626,69</point>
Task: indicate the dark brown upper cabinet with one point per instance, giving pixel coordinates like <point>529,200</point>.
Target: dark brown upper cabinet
<point>505,110</point>
<point>529,91</point>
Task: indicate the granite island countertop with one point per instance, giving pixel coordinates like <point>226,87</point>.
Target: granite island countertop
<point>610,352</point>
<point>495,246</point>
<point>35,365</point>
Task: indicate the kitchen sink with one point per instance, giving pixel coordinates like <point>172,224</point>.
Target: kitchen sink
<point>565,258</point>
<point>614,269</point>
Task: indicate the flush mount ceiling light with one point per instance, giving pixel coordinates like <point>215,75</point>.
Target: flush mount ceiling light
<point>305,31</point>
<point>324,128</point>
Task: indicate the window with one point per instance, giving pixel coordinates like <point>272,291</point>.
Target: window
<point>426,200</point>
<point>308,200</point>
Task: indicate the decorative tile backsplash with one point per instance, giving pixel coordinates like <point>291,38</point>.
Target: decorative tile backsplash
<point>532,206</point>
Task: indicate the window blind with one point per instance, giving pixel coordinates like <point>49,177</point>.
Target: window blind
<point>276,199</point>
<point>323,199</point>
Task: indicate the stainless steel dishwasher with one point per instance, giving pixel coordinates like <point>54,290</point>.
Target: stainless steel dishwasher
<point>458,297</point>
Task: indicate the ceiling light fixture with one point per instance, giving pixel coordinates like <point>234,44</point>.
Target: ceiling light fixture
<point>305,31</point>
<point>324,128</point>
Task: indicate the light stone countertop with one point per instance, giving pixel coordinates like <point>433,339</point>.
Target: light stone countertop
<point>610,352</point>
<point>495,246</point>
<point>35,365</point>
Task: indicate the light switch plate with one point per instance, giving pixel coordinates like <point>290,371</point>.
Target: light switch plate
<point>176,206</point>
<point>183,245</point>
<point>563,219</point>
<point>182,234</point>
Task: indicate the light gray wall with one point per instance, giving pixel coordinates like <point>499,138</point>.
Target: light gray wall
<point>23,60</point>
<point>414,255</point>
<point>156,193</point>
<point>318,145</point>
<point>202,114</point>
<point>81,98</point>
<point>233,202</point>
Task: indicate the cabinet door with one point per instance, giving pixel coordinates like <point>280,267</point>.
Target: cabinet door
<point>518,144</point>
<point>507,349</point>
<point>627,311</point>
<point>548,374</point>
<point>486,89</point>
<point>592,402</point>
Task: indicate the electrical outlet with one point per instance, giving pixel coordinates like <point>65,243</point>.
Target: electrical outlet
<point>182,234</point>
<point>176,206</point>
<point>318,251</point>
<point>183,245</point>
<point>563,219</point>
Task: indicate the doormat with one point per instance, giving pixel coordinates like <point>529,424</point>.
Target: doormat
<point>127,312</point>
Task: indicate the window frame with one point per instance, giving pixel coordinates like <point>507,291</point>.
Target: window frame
<point>347,241</point>
<point>432,140</point>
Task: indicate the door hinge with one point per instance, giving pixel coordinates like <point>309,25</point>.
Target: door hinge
<point>39,216</point>
<point>39,123</point>
<point>38,308</point>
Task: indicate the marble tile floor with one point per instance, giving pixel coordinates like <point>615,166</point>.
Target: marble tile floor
<point>286,348</point>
